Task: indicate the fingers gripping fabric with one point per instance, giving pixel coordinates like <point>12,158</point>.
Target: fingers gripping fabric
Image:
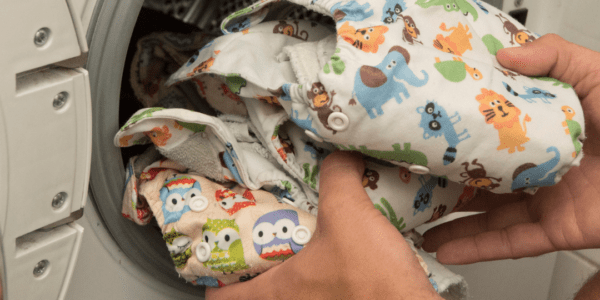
<point>418,73</point>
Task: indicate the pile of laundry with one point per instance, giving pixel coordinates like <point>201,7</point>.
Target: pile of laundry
<point>237,192</point>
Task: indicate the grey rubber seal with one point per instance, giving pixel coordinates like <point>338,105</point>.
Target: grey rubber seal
<point>108,38</point>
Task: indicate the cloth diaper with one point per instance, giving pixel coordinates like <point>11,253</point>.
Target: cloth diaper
<point>218,234</point>
<point>412,83</point>
<point>160,54</point>
<point>223,149</point>
<point>230,149</point>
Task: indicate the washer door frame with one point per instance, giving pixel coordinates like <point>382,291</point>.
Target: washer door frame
<point>108,38</point>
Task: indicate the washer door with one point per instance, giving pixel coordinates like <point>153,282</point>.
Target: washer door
<point>45,141</point>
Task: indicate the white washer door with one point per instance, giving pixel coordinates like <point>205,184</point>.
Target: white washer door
<point>45,143</point>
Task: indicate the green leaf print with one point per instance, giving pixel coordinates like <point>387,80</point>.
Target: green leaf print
<point>398,223</point>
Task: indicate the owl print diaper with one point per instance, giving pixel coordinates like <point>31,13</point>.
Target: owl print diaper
<point>414,83</point>
<point>219,234</point>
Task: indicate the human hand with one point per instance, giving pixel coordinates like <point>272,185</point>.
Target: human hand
<point>565,216</point>
<point>354,253</point>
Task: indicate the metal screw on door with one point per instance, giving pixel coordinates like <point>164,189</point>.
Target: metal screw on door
<point>60,100</point>
<point>41,268</point>
<point>41,37</point>
<point>518,3</point>
<point>59,200</point>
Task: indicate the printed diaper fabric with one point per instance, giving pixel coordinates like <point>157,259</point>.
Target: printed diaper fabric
<point>219,234</point>
<point>160,54</point>
<point>413,83</point>
<point>224,149</point>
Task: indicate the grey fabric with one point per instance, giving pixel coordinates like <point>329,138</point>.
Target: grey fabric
<point>198,154</point>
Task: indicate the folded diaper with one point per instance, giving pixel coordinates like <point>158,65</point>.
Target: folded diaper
<point>158,55</point>
<point>218,234</point>
<point>222,149</point>
<point>230,149</point>
<point>411,82</point>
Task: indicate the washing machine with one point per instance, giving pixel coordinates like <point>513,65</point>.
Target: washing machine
<point>61,179</point>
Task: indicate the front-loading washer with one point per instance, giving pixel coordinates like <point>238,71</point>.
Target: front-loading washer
<point>50,257</point>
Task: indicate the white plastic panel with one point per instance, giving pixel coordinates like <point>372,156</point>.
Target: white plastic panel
<point>21,22</point>
<point>58,247</point>
<point>48,148</point>
<point>570,273</point>
<point>83,10</point>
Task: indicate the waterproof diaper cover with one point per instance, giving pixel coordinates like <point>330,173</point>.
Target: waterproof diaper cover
<point>218,234</point>
<point>411,82</point>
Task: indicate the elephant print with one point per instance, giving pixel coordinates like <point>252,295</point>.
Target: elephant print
<point>376,85</point>
<point>530,175</point>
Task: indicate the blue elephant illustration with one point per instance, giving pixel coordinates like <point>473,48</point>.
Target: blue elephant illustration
<point>530,175</point>
<point>376,85</point>
<point>351,11</point>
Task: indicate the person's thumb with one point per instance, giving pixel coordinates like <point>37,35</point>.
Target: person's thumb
<point>551,56</point>
<point>342,197</point>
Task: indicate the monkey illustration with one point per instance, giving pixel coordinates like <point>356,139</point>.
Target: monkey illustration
<point>322,104</point>
<point>370,179</point>
<point>438,212</point>
<point>410,31</point>
<point>477,177</point>
<point>284,28</point>
<point>521,36</point>
<point>508,73</point>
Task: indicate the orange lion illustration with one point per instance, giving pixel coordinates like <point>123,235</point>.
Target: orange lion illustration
<point>366,39</point>
<point>505,117</point>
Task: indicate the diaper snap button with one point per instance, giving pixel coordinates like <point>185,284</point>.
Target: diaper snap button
<point>421,170</point>
<point>203,252</point>
<point>301,235</point>
<point>198,203</point>
<point>338,121</point>
<point>313,136</point>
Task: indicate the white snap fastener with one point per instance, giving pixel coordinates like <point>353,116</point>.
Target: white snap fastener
<point>198,203</point>
<point>313,136</point>
<point>338,121</point>
<point>203,252</point>
<point>301,235</point>
<point>421,170</point>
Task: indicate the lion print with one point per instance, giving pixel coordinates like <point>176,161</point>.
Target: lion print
<point>505,117</point>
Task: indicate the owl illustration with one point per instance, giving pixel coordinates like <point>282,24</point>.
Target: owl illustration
<point>226,252</point>
<point>174,194</point>
<point>272,235</point>
<point>232,202</point>
<point>179,247</point>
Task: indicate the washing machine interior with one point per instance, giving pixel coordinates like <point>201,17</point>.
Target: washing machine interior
<point>112,36</point>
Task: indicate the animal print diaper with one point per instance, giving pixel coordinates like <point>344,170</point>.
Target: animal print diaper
<point>230,149</point>
<point>224,149</point>
<point>219,234</point>
<point>414,83</point>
